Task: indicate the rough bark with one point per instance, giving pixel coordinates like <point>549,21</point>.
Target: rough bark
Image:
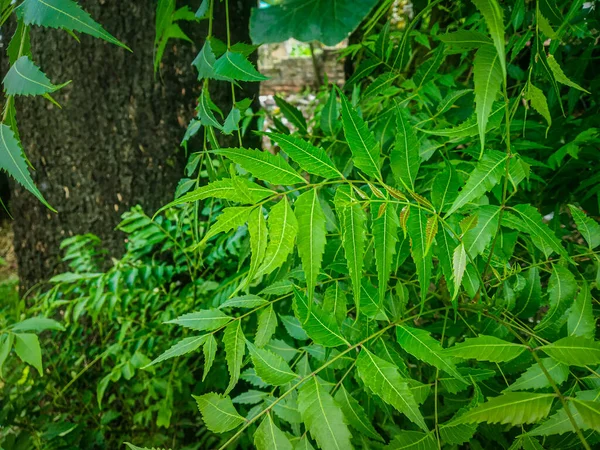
<point>115,142</point>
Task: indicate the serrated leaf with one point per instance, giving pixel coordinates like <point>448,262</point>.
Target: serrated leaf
<point>479,237</point>
<point>310,158</point>
<point>483,178</point>
<point>205,113</point>
<point>303,444</point>
<point>590,412</point>
<point>257,229</point>
<point>269,437</point>
<point>560,76</point>
<point>370,303</point>
<point>574,351</point>
<point>562,289</point>
<point>487,78</point>
<point>422,346</point>
<point>205,63</point>
<point>37,324</point>
<point>218,412</point>
<point>263,165</point>
<point>355,414</point>
<point>231,219</point>
<point>486,348</point>
<point>283,228</point>
<point>323,416</point>
<point>65,14</point>
<point>514,408</point>
<point>245,301</point>
<point>493,15</point>
<point>589,228</point>
<point>25,78</point>
<point>334,302</point>
<point>535,378</point>
<point>362,143</point>
<point>293,327</point>
<point>413,440</point>
<point>320,326</point>
<point>204,320</point>
<point>330,114</point>
<point>267,324</point>
<point>581,321</point>
<point>459,265</point>
<point>445,188</point>
<point>291,113</point>
<point>417,226</point>
<point>560,423</point>
<point>210,351</point>
<point>235,66</point>
<point>271,368</point>
<point>404,157</point>
<point>182,347</point>
<point>528,300</point>
<point>383,378</point>
<point>352,223</point>
<point>538,101</point>
<point>251,397</point>
<point>235,347</point>
<point>463,41</point>
<point>385,237</point>
<point>430,232</point>
<point>27,347</point>
<point>311,237</point>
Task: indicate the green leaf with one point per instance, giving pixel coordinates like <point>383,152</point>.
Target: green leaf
<point>362,143</point>
<point>404,157</point>
<point>271,368</point>
<point>370,304</point>
<point>205,113</point>
<point>417,230</point>
<point>560,76</point>
<point>463,41</point>
<point>334,302</point>
<point>257,229</point>
<point>25,78</point>
<point>283,228</point>
<point>311,237</point>
<point>37,324</point>
<point>446,247</point>
<point>383,378</point>
<point>562,289</point>
<point>355,414</point>
<point>235,347</point>
<point>514,408</point>
<point>589,228</point>
<point>13,162</point>
<point>320,326</point>
<point>310,158</point>
<point>574,351</point>
<point>590,412</point>
<point>294,327</point>
<point>559,423</point>
<point>267,324</point>
<point>323,416</point>
<point>535,378</point>
<point>483,178</point>
<point>6,343</point>
<point>291,113</point>
<point>218,412</point>
<point>205,320</point>
<point>581,321</point>
<point>27,347</point>
<point>245,301</point>
<point>538,101</point>
<point>330,114</point>
<point>182,347</point>
<point>385,237</point>
<point>235,66</point>
<point>422,346</point>
<point>445,188</point>
<point>205,63</point>
<point>493,15</point>
<point>528,300</point>
<point>65,14</point>
<point>210,351</point>
<point>487,78</point>
<point>479,237</point>
<point>326,21</point>
<point>352,224</point>
<point>263,165</point>
<point>413,440</point>
<point>231,219</point>
<point>269,437</point>
<point>459,265</point>
<point>303,444</point>
<point>486,348</point>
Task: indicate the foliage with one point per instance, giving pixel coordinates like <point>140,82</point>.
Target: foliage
<point>413,266</point>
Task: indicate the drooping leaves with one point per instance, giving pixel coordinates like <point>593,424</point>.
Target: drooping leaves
<point>25,78</point>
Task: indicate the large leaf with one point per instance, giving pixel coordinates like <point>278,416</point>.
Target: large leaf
<point>362,143</point>
<point>323,416</point>
<point>528,300</point>
<point>492,12</point>
<point>560,76</point>
<point>383,378</point>
<point>590,412</point>
<point>560,423</point>
<point>574,351</point>
<point>487,77</point>
<point>205,320</point>
<point>65,14</point>
<point>385,237</point>
<point>330,114</point>
<point>445,188</point>
<point>486,348</point>
<point>218,412</point>
<point>269,437</point>
<point>589,228</point>
<point>562,289</point>
<point>235,347</point>
<point>37,324</point>
<point>312,159</point>
<point>271,368</point>
<point>581,321</point>
<point>235,66</point>
<point>535,377</point>
<point>478,238</point>
<point>320,326</point>
<point>263,165</point>
<point>417,230</point>
<point>334,302</point>
<point>327,21</point>
<point>184,346</point>
<point>422,346</point>
<point>231,219</point>
<point>257,229</point>
<point>283,228</point>
<point>27,347</point>
<point>25,78</point>
<point>413,440</point>
<point>355,414</point>
<point>291,113</point>
<point>267,324</point>
<point>404,157</point>
<point>311,236</point>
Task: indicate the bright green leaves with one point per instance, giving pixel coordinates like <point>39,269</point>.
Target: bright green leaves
<point>535,377</point>
<point>486,348</point>
<point>311,236</point>
<point>291,113</point>
<point>13,161</point>
<point>271,368</point>
<point>327,21</point>
<point>323,416</point>
<point>581,321</point>
<point>417,230</point>
<point>562,289</point>
<point>538,101</point>
<point>355,414</point>
<point>560,76</point>
<point>218,412</point>
<point>362,143</point>
<point>385,236</point>
<point>492,12</point>
<point>589,228</point>
<point>404,157</point>
<point>231,219</point>
<point>167,27</point>
<point>478,238</point>
<point>383,378</point>
<point>263,165</point>
<point>320,326</point>
<point>65,14</point>
<point>269,437</point>
<point>330,114</point>
<point>464,41</point>
<point>27,347</point>
<point>182,347</point>
<point>312,159</point>
<point>205,320</point>
<point>267,324</point>
<point>487,77</point>
<point>235,347</point>
<point>574,351</point>
<point>257,228</point>
<point>421,345</point>
<point>235,66</point>
<point>25,78</point>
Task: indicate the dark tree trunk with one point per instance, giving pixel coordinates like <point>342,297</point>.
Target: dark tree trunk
<point>115,143</point>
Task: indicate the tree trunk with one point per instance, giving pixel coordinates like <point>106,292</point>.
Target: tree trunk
<point>115,142</point>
